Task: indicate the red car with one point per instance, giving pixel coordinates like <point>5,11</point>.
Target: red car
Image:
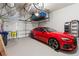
<point>54,39</point>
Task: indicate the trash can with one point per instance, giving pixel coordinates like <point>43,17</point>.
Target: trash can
<point>4,36</point>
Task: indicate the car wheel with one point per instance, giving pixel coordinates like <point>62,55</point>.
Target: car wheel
<point>54,44</point>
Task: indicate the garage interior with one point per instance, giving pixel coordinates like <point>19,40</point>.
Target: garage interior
<point>16,20</point>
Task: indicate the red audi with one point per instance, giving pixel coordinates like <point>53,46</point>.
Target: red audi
<point>54,39</point>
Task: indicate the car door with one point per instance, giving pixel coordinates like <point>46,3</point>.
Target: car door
<point>37,33</point>
<point>45,35</point>
<point>41,30</point>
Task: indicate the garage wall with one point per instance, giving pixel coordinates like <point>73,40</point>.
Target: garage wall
<point>59,17</point>
<point>0,25</point>
<point>10,26</point>
<point>21,27</point>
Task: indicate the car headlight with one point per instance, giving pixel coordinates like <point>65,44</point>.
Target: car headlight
<point>65,39</point>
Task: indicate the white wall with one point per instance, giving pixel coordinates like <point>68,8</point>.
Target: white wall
<point>10,26</point>
<point>0,25</point>
<point>59,17</point>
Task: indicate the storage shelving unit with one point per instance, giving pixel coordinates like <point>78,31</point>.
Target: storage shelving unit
<point>67,27</point>
<point>72,27</point>
<point>75,28</point>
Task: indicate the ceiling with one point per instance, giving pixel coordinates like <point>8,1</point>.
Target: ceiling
<point>20,10</point>
<point>56,6</point>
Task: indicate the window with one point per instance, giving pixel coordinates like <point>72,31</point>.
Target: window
<point>49,29</point>
<point>39,29</point>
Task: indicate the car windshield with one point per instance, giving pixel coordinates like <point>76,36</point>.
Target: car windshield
<point>50,29</point>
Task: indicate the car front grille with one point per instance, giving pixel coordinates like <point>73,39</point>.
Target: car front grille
<point>67,46</point>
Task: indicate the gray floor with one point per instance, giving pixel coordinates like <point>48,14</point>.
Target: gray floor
<point>31,47</point>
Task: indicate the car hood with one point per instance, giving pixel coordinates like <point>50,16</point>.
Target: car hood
<point>66,35</point>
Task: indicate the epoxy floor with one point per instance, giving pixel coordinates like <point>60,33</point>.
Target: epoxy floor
<point>31,47</point>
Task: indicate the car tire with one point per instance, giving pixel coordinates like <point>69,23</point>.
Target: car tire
<point>53,43</point>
